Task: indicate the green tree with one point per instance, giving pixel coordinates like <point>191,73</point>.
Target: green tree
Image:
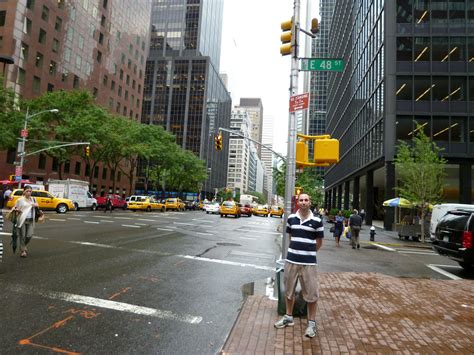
<point>11,120</point>
<point>420,172</point>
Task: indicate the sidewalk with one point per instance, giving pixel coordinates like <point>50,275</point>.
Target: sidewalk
<point>365,313</point>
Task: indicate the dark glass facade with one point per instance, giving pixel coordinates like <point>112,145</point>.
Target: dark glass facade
<point>183,91</point>
<point>97,45</point>
<point>407,61</point>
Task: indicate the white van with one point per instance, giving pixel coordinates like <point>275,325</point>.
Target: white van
<point>440,210</point>
<point>75,190</point>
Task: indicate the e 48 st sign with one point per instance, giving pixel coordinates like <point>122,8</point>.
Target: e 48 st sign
<point>299,102</point>
<point>320,64</point>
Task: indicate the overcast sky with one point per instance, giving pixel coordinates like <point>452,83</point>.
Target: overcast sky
<point>250,56</point>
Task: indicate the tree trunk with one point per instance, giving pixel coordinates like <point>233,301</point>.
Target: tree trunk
<point>60,170</point>
<point>422,221</point>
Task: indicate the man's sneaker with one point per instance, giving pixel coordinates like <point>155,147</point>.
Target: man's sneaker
<point>310,331</point>
<point>285,321</point>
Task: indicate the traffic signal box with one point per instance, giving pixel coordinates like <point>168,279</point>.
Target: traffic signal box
<point>218,141</point>
<point>87,151</point>
<point>326,151</point>
<point>287,37</point>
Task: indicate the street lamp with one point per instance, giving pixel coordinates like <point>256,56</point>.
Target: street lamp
<point>22,143</point>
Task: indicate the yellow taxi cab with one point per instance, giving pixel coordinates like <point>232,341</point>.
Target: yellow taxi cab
<point>276,211</point>
<point>145,203</point>
<point>45,200</point>
<point>174,204</point>
<point>261,210</point>
<point>229,208</point>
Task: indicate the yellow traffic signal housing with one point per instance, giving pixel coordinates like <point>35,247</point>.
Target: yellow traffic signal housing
<point>301,154</point>
<point>287,37</point>
<point>218,141</point>
<point>314,26</point>
<point>298,190</point>
<point>88,151</point>
<point>326,151</point>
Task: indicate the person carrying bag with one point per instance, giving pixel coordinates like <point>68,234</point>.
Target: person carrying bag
<point>25,221</point>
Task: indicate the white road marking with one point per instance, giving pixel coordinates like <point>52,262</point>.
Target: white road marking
<point>92,244</point>
<point>204,233</point>
<point>123,218</point>
<point>184,224</point>
<point>141,224</point>
<point>106,221</point>
<point>170,217</point>
<point>226,262</point>
<point>101,217</point>
<point>113,305</point>
<point>5,233</point>
<point>203,220</point>
<point>74,218</point>
<point>130,226</point>
<point>212,232</point>
<point>146,220</point>
<point>415,252</point>
<point>91,222</point>
<point>444,272</point>
<point>260,232</point>
<point>383,247</point>
<point>165,229</point>
<point>57,219</point>
<point>248,238</point>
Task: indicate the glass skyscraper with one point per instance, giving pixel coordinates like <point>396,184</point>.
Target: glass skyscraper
<point>183,91</point>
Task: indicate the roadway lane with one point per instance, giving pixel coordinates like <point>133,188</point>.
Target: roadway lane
<point>132,282</point>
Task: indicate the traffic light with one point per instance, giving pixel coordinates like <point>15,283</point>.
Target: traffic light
<point>87,151</point>
<point>287,37</point>
<point>218,141</point>
<point>314,26</point>
<point>301,154</point>
<point>326,151</point>
<point>298,190</point>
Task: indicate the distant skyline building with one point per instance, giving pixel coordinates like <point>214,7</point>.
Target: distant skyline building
<point>267,155</point>
<point>254,107</point>
<point>98,46</point>
<point>406,64</point>
<point>183,90</point>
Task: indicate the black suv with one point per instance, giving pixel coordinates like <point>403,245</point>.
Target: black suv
<point>455,236</point>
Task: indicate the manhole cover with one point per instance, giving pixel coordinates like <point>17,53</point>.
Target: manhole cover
<point>229,244</point>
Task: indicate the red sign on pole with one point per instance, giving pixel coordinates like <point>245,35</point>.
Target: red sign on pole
<point>299,102</point>
<point>24,133</point>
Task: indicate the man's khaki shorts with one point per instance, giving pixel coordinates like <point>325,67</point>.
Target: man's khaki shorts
<point>308,276</point>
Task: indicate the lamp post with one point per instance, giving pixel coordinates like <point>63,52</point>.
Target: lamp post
<point>22,143</point>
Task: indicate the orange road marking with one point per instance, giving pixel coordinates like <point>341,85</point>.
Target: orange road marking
<point>119,293</point>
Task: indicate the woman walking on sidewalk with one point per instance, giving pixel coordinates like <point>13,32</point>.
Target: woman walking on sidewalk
<point>26,220</point>
<point>306,233</point>
<point>338,227</point>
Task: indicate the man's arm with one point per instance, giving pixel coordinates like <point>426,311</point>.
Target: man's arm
<point>319,243</point>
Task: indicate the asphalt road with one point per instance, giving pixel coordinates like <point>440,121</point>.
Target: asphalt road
<point>156,283</point>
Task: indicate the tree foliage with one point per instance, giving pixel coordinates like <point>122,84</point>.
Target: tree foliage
<point>11,119</point>
<point>420,172</point>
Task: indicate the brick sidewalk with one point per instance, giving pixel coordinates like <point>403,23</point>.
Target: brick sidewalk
<point>365,313</point>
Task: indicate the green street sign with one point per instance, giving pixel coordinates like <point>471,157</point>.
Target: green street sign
<point>318,64</point>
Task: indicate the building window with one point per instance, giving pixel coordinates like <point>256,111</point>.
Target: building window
<point>42,36</point>
<point>50,87</point>
<point>104,4</point>
<point>30,4</point>
<point>96,172</point>
<point>45,13</point>
<point>27,26</point>
<point>67,54</point>
<point>67,166</point>
<point>55,46</point>
<point>36,84</point>
<point>104,173</point>
<point>80,43</point>
<point>64,76</point>
<point>75,83</point>
<point>55,164</point>
<point>61,4</point>
<point>99,56</point>
<point>3,16</point>
<point>39,60</point>
<point>24,51</point>
<point>88,169</point>
<point>105,80</point>
<point>101,38</point>
<point>102,21</point>
<point>21,76</point>
<point>42,161</point>
<point>52,68</point>
<point>58,24</point>
<point>95,92</point>
<point>77,169</point>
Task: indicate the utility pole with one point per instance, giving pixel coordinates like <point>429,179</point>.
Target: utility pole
<point>291,158</point>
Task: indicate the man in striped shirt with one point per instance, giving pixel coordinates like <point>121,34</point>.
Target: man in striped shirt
<point>306,234</point>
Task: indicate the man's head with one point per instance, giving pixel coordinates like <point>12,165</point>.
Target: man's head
<point>355,211</point>
<point>304,202</point>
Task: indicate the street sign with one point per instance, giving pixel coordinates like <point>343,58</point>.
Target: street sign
<point>320,64</point>
<point>18,178</point>
<point>24,133</point>
<point>299,102</point>
<point>18,171</point>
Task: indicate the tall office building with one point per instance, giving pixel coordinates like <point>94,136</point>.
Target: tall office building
<point>267,155</point>
<point>183,90</point>
<point>407,62</point>
<point>255,109</point>
<point>98,45</point>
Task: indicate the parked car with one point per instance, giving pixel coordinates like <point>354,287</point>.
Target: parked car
<point>174,204</point>
<point>454,237</point>
<point>45,200</point>
<point>229,208</point>
<point>212,208</point>
<point>276,211</point>
<point>191,205</point>
<point>261,210</point>
<point>116,200</point>
<point>438,211</point>
<point>145,203</point>
<point>245,209</point>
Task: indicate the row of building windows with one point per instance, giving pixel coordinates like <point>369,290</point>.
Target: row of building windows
<point>436,49</point>
<point>435,88</point>
<point>442,12</point>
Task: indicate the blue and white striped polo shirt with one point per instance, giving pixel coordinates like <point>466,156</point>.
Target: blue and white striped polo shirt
<point>302,249</point>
